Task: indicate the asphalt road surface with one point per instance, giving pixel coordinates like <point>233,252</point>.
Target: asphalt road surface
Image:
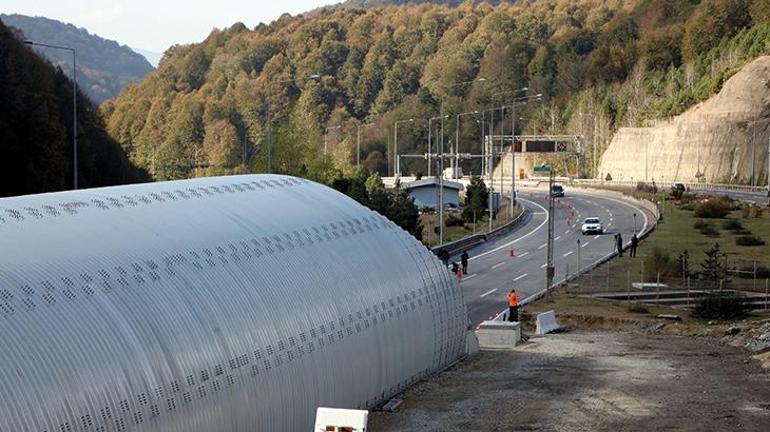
<point>492,271</point>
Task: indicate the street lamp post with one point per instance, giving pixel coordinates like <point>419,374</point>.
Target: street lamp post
<point>326,135</point>
<point>430,131</point>
<point>396,159</point>
<point>441,159</point>
<point>457,138</point>
<point>359,127</point>
<point>74,107</point>
<point>269,121</point>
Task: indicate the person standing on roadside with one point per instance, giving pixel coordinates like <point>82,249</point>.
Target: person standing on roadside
<point>513,306</point>
<point>634,244</point>
<point>619,240</point>
<point>464,261</point>
<point>443,255</point>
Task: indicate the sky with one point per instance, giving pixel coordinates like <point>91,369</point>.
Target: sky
<point>155,25</point>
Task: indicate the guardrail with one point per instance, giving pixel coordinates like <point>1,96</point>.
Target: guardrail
<point>647,205</point>
<point>474,240</point>
<point>665,184</point>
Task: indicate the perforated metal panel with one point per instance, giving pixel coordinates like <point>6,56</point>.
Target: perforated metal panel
<point>222,304</point>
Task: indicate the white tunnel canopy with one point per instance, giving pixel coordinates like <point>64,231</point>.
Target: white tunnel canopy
<point>221,304</point>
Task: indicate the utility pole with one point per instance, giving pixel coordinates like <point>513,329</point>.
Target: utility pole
<point>768,171</point>
<point>396,159</point>
<point>74,107</point>
<point>550,269</point>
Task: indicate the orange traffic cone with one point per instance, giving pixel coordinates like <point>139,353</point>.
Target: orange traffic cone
<point>512,252</point>
<point>569,222</point>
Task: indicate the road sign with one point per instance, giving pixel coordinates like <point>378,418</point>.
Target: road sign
<point>561,147</point>
<point>542,169</point>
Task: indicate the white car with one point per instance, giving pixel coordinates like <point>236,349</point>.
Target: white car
<point>592,225</point>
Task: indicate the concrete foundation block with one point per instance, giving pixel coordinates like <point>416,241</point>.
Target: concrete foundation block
<point>498,335</point>
<point>471,343</point>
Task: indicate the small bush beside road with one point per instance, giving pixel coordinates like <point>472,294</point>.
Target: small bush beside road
<point>749,240</point>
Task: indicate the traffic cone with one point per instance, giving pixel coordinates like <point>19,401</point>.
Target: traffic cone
<point>573,213</point>
<point>569,222</point>
<point>512,252</point>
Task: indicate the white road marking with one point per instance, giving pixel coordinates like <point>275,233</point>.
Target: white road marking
<point>557,238</point>
<point>498,265</point>
<point>488,293</point>
<point>566,232</point>
<point>524,254</point>
<point>542,246</point>
<point>585,244</point>
<point>521,277</point>
<point>544,265</point>
<point>471,276</point>
<point>568,254</point>
<point>501,247</point>
<point>596,237</point>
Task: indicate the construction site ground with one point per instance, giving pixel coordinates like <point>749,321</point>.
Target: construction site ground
<point>613,369</point>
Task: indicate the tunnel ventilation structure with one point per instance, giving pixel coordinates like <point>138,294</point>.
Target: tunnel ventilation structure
<point>222,304</point>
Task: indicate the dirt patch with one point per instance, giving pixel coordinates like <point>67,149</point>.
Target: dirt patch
<point>597,380</point>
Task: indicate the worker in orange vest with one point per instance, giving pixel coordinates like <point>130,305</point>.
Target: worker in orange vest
<point>513,306</point>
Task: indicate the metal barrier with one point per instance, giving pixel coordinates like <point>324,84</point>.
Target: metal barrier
<point>477,239</point>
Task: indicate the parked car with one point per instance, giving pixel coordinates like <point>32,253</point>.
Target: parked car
<point>592,225</point>
<point>679,187</point>
<point>557,191</point>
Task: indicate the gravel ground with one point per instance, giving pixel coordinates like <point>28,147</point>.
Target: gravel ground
<point>597,381</point>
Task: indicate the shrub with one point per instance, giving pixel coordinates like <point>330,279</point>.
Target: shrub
<point>453,221</point>
<point>700,224</point>
<point>713,208</point>
<point>732,225</point>
<point>687,207</point>
<point>658,262</point>
<point>749,240</point>
<point>638,308</point>
<point>725,306</point>
<point>677,194</point>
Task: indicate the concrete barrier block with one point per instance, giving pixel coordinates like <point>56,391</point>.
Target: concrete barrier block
<point>471,343</point>
<point>498,335</point>
<point>546,323</point>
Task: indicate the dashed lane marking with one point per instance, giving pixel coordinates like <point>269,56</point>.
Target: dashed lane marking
<point>498,265</point>
<point>521,277</point>
<point>524,254</point>
<point>488,293</point>
<point>470,276</point>
<point>568,254</point>
<point>542,246</point>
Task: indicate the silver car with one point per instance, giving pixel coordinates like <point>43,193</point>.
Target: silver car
<point>592,225</point>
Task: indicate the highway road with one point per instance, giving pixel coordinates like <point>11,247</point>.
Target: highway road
<point>492,272</point>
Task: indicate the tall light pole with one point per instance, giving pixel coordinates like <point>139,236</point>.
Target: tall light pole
<point>269,120</point>
<point>396,159</point>
<point>537,97</point>
<point>326,135</point>
<point>430,131</point>
<point>359,127</point>
<point>457,138</point>
<point>74,107</point>
<point>441,159</point>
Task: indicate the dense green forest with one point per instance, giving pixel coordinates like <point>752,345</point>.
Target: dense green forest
<point>36,128</point>
<point>104,67</point>
<point>600,65</point>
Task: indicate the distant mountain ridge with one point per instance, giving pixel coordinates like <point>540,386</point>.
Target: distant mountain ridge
<point>104,66</point>
<point>365,4</point>
<point>36,129</point>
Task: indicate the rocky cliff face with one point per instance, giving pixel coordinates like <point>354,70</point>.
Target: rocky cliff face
<point>723,139</point>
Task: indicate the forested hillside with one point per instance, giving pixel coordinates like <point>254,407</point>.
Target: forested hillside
<point>36,129</point>
<point>104,67</point>
<point>599,64</point>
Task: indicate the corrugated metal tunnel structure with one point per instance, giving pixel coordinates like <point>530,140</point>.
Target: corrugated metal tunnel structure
<point>222,304</point>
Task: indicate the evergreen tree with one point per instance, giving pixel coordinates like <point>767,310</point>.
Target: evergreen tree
<point>714,267</point>
<point>476,200</point>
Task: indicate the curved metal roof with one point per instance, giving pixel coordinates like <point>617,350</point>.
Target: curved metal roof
<point>221,304</point>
